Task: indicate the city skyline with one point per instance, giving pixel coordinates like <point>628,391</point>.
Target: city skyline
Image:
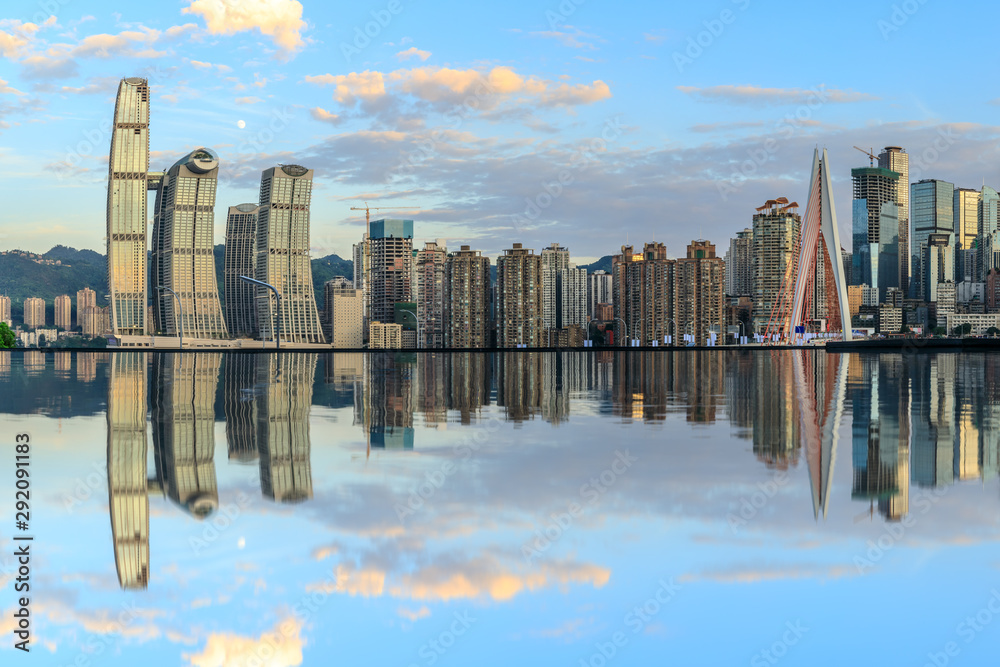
<point>362,115</point>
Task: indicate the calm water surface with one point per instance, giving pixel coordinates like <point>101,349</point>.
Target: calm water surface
<point>632,508</point>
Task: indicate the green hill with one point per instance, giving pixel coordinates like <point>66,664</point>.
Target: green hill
<point>23,277</point>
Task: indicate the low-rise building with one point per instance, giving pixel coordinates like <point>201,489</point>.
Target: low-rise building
<point>980,322</point>
<point>385,336</point>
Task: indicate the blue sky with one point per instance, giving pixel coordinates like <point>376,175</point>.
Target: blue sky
<point>474,113</point>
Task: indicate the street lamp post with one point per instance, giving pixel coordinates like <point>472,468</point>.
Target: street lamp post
<point>180,311</point>
<point>671,320</point>
<point>417,320</point>
<point>261,283</point>
<point>589,322</point>
<point>626,328</point>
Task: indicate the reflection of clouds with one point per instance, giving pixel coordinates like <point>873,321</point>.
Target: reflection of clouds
<point>279,647</point>
<point>478,579</point>
<point>754,576</point>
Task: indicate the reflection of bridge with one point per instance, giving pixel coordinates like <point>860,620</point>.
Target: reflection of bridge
<point>182,412</point>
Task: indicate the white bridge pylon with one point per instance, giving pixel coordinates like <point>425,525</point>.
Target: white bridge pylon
<point>821,216</point>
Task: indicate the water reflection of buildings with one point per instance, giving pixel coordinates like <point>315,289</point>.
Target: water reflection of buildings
<point>384,408</point>
<point>283,425</point>
<point>182,412</point>
<point>519,384</point>
<point>267,401</point>
<point>128,498</point>
<point>240,403</point>
<point>879,391</point>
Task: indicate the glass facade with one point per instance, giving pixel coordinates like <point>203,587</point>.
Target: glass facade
<point>283,256</point>
<point>128,165</point>
<point>241,241</point>
<point>182,255</point>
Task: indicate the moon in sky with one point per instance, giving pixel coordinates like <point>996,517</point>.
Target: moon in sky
<point>241,124</point>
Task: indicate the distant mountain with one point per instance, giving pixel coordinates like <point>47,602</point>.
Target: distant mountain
<point>22,277</point>
<point>603,264</point>
<point>74,256</point>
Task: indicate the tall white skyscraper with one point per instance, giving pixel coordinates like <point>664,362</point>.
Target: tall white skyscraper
<point>128,166</point>
<point>600,289</point>
<point>555,259</point>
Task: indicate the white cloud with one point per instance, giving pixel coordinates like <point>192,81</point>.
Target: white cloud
<point>413,52</point>
<point>281,20</point>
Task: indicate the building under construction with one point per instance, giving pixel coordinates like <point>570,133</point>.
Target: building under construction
<point>390,274</point>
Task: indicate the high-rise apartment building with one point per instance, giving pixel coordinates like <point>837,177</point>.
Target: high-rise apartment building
<point>283,255</point>
<point>600,290</point>
<point>95,320</point>
<point>468,321</point>
<point>555,259</point>
<point>699,293</point>
<point>128,168</point>
<point>34,312</point>
<point>84,298</point>
<point>182,254</point>
<point>739,264</point>
<point>5,310</point>
<point>895,158</point>
<point>389,277</point>
<point>777,234</point>
<point>875,224</point>
<point>571,292</point>
<point>519,298</point>
<point>643,294</point>
<point>429,293</point>
<point>343,314</point>
<point>932,211</point>
<point>63,312</point>
<point>241,254</point>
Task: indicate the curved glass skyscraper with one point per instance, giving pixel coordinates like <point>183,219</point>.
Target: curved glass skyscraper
<point>283,256</point>
<point>182,248</point>
<point>128,165</point>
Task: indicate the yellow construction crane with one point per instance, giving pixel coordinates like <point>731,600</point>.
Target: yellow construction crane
<point>368,209</point>
<point>871,156</point>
